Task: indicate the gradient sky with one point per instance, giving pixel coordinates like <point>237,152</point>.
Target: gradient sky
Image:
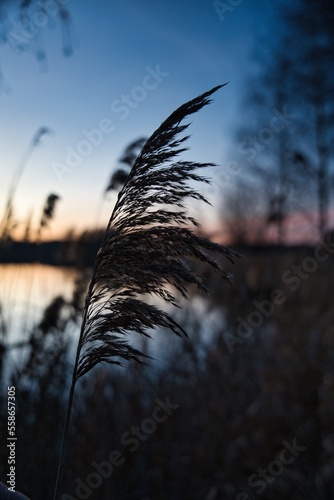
<point>114,44</point>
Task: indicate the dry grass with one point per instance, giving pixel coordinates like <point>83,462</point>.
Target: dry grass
<point>147,250</point>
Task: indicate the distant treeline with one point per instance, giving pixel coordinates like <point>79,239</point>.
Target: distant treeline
<point>55,253</point>
<point>82,252</point>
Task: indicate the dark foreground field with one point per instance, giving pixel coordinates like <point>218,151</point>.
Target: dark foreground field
<point>248,414</point>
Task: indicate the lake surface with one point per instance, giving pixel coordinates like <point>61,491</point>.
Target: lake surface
<point>25,291</point>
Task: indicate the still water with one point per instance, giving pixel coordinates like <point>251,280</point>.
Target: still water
<point>25,291</point>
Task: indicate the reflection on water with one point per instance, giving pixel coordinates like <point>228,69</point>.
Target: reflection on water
<point>25,291</point>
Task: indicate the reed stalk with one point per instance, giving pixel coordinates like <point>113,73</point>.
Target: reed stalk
<point>147,250</point>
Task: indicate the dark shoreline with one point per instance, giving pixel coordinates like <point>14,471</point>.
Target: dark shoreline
<point>79,254</point>
<point>54,253</point>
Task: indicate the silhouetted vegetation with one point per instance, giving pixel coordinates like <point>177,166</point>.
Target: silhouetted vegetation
<point>245,408</point>
<point>235,408</point>
<point>285,143</point>
<point>21,22</point>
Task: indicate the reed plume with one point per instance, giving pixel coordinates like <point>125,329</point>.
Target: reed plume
<point>119,177</point>
<point>6,225</point>
<point>147,250</point>
<point>48,212</point>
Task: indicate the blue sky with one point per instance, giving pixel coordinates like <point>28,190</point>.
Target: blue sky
<point>117,47</point>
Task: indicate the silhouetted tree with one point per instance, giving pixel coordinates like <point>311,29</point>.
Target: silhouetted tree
<point>285,145</point>
<point>311,75</point>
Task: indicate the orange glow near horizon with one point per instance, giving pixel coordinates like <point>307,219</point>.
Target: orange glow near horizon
<point>296,230</point>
